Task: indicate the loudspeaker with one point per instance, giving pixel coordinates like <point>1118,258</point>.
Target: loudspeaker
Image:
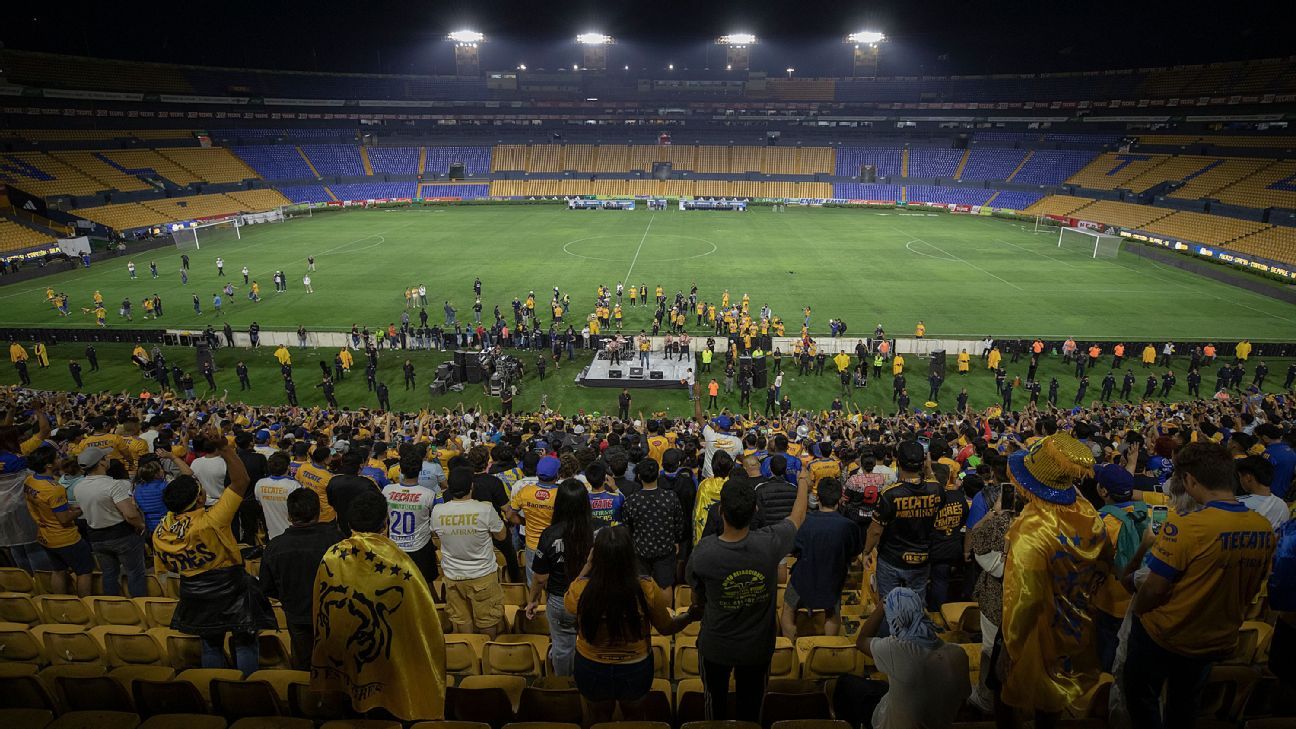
<point>456,171</point>
<point>936,365</point>
<point>636,373</point>
<point>760,378</point>
<point>461,356</point>
<point>445,371</point>
<point>438,387</point>
<point>656,375</point>
<point>474,374</point>
<point>615,374</point>
<point>205,357</point>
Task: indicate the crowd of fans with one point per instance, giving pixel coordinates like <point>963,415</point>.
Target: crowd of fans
<point>1123,538</point>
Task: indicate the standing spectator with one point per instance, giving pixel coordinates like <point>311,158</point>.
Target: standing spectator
<point>409,506</point>
<point>115,524</point>
<point>825,547</point>
<point>55,518</point>
<point>1206,569</point>
<point>902,528</point>
<point>1049,582</point>
<point>987,544</point>
<point>346,485</point>
<point>927,678</point>
<point>289,563</point>
<point>560,556</point>
<point>1255,474</point>
<point>468,530</point>
<point>194,540</point>
<point>614,612</point>
<point>150,482</point>
<point>272,494</point>
<point>533,506</point>
<point>378,629</point>
<point>657,525</point>
<point>209,467</point>
<point>1280,453</point>
<point>734,576</point>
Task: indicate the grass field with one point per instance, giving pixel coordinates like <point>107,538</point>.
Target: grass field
<point>963,275</point>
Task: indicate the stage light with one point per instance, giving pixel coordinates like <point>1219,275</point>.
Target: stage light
<point>737,39</point>
<point>594,39</point>
<point>728,66</point>
<point>575,67</point>
<point>790,71</point>
<point>866,36</point>
<point>466,36</point>
<point>670,67</point>
<point>521,67</point>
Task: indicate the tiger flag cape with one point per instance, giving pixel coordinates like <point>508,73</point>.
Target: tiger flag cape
<point>377,632</point>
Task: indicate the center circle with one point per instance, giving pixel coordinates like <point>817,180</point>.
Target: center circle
<point>621,247</point>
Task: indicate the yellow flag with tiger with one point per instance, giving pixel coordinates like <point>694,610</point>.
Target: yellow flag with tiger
<point>377,633</point>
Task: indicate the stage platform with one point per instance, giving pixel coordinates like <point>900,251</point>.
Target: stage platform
<point>669,372</point>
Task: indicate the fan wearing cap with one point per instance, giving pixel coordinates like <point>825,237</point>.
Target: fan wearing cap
<point>1126,521</point>
<point>1206,568</point>
<point>904,525</point>
<point>716,436</point>
<point>1057,556</point>
<point>114,522</point>
<point>533,505</point>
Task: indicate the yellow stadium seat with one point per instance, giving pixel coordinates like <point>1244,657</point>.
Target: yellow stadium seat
<point>127,649</point>
<point>824,656</point>
<point>244,697</point>
<point>1226,692</point>
<point>26,692</point>
<point>539,625</point>
<point>784,663</point>
<point>157,610</point>
<point>167,697</point>
<point>463,653</point>
<point>319,706</point>
<point>128,675</point>
<point>70,644</point>
<point>13,579</point>
<point>18,607</point>
<point>687,661</point>
<point>361,724</point>
<point>550,705</point>
<point>962,619</point>
<point>186,721</point>
<point>280,680</point>
<point>94,693</point>
<point>26,718</point>
<point>661,653</point>
<point>64,609</point>
<point>96,720</point>
<point>116,611</point>
<point>201,678</point>
<point>272,722</point>
<point>522,655</point>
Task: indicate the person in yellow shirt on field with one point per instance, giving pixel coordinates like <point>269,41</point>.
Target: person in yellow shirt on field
<point>964,362</point>
<point>49,296</point>
<point>347,359</point>
<point>1243,350</point>
<point>98,298</point>
<point>56,528</point>
<point>920,331</point>
<point>897,365</point>
<point>992,362</point>
<point>101,317</point>
<point>283,356</point>
<point>634,295</point>
<point>41,354</point>
<point>1149,355</point>
<point>842,360</point>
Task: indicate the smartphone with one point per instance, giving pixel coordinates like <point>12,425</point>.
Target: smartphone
<point>1008,497</point>
<point>925,442</point>
<point>1159,516</point>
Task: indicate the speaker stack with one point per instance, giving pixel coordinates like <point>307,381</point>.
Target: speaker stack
<point>936,365</point>
<point>461,360</point>
<point>636,373</point>
<point>615,374</point>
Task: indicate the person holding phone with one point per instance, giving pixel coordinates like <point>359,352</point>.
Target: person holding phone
<point>986,542</point>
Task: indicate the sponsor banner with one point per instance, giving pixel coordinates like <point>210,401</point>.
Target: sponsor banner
<point>27,203</point>
<point>1235,258</point>
<point>91,95</point>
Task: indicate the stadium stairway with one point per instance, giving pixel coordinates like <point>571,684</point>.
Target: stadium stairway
<point>38,227</point>
<point>364,161</point>
<point>422,163</point>
<point>309,164</point>
<point>330,193</point>
<point>990,201</point>
<point>904,162</point>
<point>1022,164</point>
<point>958,171</point>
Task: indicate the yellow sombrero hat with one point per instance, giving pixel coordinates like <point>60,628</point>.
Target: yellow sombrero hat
<point>1051,466</point>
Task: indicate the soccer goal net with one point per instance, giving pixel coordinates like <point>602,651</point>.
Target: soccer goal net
<point>205,234</point>
<point>1045,224</point>
<point>1090,242</point>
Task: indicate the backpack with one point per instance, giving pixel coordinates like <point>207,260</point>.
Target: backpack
<point>1130,537</point>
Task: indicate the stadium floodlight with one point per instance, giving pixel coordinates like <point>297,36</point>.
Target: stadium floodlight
<point>521,67</point>
<point>466,36</point>
<point>670,67</point>
<point>594,39</point>
<point>737,39</point>
<point>866,36</point>
<point>790,71</point>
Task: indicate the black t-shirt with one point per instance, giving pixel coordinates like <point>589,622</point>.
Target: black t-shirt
<point>551,559</point>
<point>489,488</point>
<point>907,513</point>
<point>947,534</point>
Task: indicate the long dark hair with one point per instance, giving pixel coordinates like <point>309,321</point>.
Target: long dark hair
<point>613,597</point>
<point>573,519</point>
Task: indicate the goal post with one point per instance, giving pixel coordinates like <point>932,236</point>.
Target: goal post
<point>1093,243</point>
<point>194,237</point>
<point>1045,224</point>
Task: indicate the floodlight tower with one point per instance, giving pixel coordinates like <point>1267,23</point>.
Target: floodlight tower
<point>467,58</point>
<point>866,46</point>
<point>595,46</point>
<point>737,50</point>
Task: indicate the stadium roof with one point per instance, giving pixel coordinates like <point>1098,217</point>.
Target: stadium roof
<point>940,37</point>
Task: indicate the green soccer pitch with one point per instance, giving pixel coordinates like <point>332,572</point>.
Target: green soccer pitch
<point>962,275</point>
<point>965,276</point>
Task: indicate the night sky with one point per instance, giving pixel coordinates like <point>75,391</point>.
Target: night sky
<point>940,37</point>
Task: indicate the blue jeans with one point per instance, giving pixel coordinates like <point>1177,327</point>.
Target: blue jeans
<point>528,554</point>
<point>123,553</point>
<point>562,636</point>
<point>1148,668</point>
<point>889,577</point>
<point>30,557</point>
<point>246,652</point>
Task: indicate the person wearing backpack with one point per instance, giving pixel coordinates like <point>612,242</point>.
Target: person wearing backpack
<point>1126,521</point>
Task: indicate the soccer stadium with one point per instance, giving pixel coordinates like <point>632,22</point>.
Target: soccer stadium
<point>732,374</point>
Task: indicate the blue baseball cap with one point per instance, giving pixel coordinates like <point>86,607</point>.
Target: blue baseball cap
<point>547,468</point>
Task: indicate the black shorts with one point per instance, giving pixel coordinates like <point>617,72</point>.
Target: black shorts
<point>77,557</point>
<point>660,569</point>
<point>613,681</point>
<point>426,560</point>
